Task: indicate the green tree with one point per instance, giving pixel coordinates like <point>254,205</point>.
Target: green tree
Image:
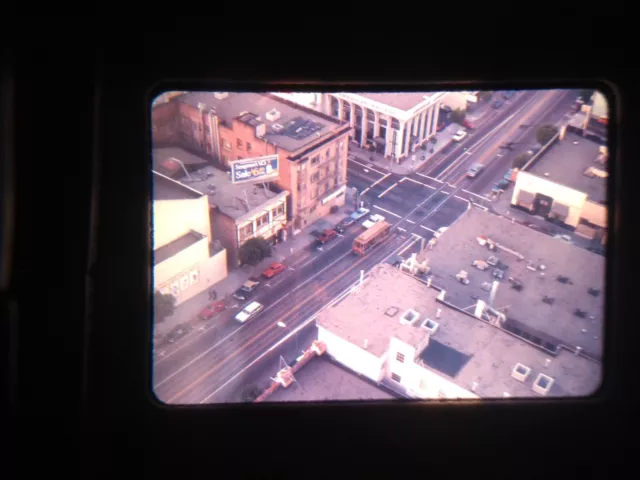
<point>163,306</point>
<point>254,250</point>
<point>544,133</point>
<point>458,115</point>
<point>485,96</point>
<point>520,160</point>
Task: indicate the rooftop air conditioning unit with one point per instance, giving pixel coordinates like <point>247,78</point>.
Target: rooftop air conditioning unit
<point>277,127</point>
<point>221,95</point>
<point>273,115</point>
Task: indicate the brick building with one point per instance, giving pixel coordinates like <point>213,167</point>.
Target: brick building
<point>223,126</point>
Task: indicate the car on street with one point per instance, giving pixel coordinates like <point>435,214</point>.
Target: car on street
<point>327,235</point>
<point>498,104</point>
<point>474,170</point>
<point>273,270</point>
<point>177,333</point>
<point>509,176</point>
<point>344,224</point>
<point>502,185</point>
<point>249,311</point>
<point>359,213</point>
<point>468,124</point>
<point>372,220</point>
<point>246,290</point>
<point>211,310</point>
<point>459,136</point>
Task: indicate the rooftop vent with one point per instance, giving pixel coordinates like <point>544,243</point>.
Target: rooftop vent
<point>409,317</point>
<point>543,383</point>
<point>493,261</point>
<point>277,127</point>
<point>580,313</point>
<point>520,372</point>
<point>517,285</point>
<point>221,95</point>
<point>430,325</point>
<point>548,300</point>
<point>565,280</point>
<point>273,115</point>
<point>594,292</point>
<point>392,311</point>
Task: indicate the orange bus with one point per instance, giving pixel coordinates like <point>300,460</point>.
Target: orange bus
<point>364,242</point>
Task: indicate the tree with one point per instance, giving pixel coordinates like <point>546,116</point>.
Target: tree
<point>163,306</point>
<point>485,96</point>
<point>254,250</point>
<point>520,160</point>
<point>458,115</point>
<point>544,133</point>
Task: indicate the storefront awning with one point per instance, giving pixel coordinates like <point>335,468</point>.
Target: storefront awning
<point>560,209</point>
<point>526,197</point>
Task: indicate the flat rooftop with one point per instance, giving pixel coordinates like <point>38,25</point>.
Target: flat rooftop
<point>555,323</point>
<point>165,165</point>
<point>167,189</point>
<point>365,315</point>
<point>235,201</point>
<point>566,162</point>
<point>401,100</point>
<point>176,246</point>
<point>322,380</point>
<point>296,127</point>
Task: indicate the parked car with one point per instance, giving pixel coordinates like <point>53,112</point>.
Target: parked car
<point>502,185</point>
<point>459,136</point>
<point>475,170</point>
<point>359,213</point>
<point>177,333</point>
<point>344,224</point>
<point>327,235</point>
<point>211,310</point>
<point>246,290</point>
<point>372,220</point>
<point>273,270</point>
<point>509,175</point>
<point>249,311</point>
<point>498,104</point>
<point>468,124</point>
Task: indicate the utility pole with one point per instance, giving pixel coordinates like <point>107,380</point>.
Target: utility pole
<point>393,145</point>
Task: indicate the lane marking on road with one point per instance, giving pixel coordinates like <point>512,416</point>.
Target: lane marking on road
<point>410,221</point>
<point>387,211</point>
<point>365,166</point>
<point>379,180</point>
<point>365,191</point>
<point>340,235</point>
<point>415,240</point>
<point>427,176</point>
<point>427,228</point>
<point>388,190</point>
<point>402,229</point>
<point>271,327</point>
<point>419,183</point>
<point>267,284</point>
<point>291,269</point>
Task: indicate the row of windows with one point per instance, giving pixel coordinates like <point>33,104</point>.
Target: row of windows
<point>247,230</point>
<point>240,145</point>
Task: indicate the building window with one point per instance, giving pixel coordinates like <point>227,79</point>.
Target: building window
<point>329,152</point>
<point>395,377</point>
<point>226,144</point>
<point>341,147</point>
<point>246,231</point>
<point>249,147</point>
<point>315,160</point>
<point>262,221</point>
<point>315,177</point>
<point>239,143</point>
<point>280,209</point>
<point>400,357</point>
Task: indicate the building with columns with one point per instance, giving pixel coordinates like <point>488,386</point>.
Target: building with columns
<point>395,124</point>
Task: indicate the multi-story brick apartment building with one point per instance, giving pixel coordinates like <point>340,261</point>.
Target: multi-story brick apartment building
<point>225,126</point>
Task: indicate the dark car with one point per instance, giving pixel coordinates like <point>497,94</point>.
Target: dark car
<point>502,185</point>
<point>344,224</point>
<point>498,104</point>
<point>327,235</point>
<point>211,310</point>
<point>177,333</point>
<point>246,290</point>
<point>395,260</point>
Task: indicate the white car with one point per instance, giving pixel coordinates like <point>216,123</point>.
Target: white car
<point>459,136</point>
<point>249,311</point>
<point>359,213</point>
<point>372,220</point>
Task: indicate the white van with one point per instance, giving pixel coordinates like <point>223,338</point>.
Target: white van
<point>249,311</point>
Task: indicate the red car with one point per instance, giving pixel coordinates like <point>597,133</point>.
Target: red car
<point>212,310</point>
<point>273,270</point>
<point>327,235</point>
<point>468,124</point>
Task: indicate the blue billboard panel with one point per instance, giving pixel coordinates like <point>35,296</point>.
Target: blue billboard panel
<point>259,169</point>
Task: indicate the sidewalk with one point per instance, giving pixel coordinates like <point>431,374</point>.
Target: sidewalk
<point>294,247</point>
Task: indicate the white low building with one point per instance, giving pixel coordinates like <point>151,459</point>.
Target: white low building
<point>396,330</point>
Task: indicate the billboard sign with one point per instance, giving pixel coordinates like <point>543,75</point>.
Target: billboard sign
<point>259,169</point>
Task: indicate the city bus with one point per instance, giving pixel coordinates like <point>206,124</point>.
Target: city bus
<point>364,242</point>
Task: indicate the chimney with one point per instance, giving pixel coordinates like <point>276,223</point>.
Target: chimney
<point>494,289</point>
<point>366,343</point>
<point>260,130</point>
<point>438,312</point>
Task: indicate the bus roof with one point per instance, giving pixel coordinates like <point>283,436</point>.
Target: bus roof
<point>373,231</point>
